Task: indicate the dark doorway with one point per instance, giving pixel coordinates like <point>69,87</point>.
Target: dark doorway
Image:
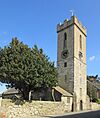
<point>81,105</point>
<point>72,107</point>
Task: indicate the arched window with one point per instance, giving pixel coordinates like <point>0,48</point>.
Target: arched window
<point>80,42</point>
<point>65,40</point>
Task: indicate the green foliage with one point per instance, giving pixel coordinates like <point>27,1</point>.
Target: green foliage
<point>91,90</point>
<point>95,77</point>
<point>25,68</point>
<point>96,100</point>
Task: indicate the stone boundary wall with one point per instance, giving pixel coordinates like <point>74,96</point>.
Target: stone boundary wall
<point>41,108</point>
<point>95,106</point>
<point>9,109</point>
<point>92,105</point>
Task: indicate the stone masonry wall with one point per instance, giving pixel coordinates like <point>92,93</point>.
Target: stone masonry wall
<point>41,108</point>
<point>95,106</point>
<point>67,84</point>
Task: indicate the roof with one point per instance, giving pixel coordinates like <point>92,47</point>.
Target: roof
<point>11,91</point>
<point>95,84</point>
<point>62,91</point>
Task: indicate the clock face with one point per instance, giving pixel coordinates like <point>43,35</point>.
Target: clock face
<point>64,54</point>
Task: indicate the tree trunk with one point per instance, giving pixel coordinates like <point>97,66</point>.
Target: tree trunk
<point>30,95</point>
<point>53,95</point>
<point>25,95</point>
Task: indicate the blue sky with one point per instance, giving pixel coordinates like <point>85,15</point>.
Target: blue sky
<point>34,22</point>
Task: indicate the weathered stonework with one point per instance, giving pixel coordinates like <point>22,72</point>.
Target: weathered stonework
<point>35,109</point>
<point>39,108</point>
<point>76,65</point>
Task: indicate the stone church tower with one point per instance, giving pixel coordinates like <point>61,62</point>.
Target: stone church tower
<point>71,60</point>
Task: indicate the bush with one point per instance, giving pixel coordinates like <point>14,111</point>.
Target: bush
<point>96,100</point>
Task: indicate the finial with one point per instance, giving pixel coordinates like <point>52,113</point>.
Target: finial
<point>72,12</point>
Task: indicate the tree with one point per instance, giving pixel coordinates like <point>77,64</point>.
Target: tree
<point>26,68</point>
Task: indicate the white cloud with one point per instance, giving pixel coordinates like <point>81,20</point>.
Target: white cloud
<point>92,58</point>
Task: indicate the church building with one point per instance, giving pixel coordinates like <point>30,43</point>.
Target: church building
<point>71,60</point>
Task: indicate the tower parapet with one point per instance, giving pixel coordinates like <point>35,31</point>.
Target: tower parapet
<point>73,21</point>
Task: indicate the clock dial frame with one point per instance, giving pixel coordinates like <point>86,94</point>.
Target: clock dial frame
<point>64,54</point>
